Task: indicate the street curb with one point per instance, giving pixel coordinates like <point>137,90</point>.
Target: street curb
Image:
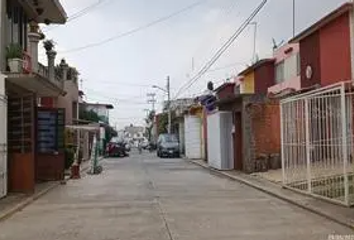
<point>20,206</point>
<point>274,194</point>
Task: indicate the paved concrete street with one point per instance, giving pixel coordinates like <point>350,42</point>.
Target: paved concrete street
<point>145,198</point>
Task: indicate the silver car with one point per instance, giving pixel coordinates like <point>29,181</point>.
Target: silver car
<point>168,146</point>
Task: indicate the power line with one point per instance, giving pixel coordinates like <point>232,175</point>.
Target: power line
<point>143,27</point>
<point>125,84</point>
<point>129,101</point>
<point>216,27</point>
<point>79,14</point>
<point>221,51</point>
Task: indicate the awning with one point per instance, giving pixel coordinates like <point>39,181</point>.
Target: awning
<point>47,11</point>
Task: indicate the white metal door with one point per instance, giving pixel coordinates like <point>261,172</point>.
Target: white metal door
<point>193,137</point>
<point>3,146</point>
<point>220,144</point>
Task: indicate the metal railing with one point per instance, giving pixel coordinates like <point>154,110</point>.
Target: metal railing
<point>317,143</point>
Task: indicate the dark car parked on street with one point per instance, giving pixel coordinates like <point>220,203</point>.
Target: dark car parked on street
<point>168,146</point>
<point>116,148</point>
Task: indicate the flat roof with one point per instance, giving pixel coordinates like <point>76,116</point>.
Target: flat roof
<point>107,106</point>
<point>323,22</point>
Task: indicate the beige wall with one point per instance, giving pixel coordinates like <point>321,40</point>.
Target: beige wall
<point>66,101</point>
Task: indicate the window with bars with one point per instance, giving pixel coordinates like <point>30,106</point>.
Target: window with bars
<point>50,130</point>
<point>20,124</point>
<point>16,24</point>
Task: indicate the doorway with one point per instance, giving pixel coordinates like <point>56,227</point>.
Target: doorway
<point>237,138</point>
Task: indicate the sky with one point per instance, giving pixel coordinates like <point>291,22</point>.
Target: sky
<point>122,71</point>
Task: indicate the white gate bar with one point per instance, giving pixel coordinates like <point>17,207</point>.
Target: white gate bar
<point>344,146</point>
<point>308,153</point>
<point>314,92</point>
<point>282,145</point>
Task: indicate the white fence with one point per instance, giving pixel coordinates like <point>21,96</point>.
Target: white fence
<point>317,143</point>
<point>3,146</point>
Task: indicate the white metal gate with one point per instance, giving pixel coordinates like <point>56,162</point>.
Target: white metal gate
<point>3,146</point>
<point>317,143</point>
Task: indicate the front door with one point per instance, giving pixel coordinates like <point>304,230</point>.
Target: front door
<point>21,144</point>
<point>237,135</point>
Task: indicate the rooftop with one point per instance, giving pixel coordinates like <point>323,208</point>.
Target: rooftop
<point>256,65</point>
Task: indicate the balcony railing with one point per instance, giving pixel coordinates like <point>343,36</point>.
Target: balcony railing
<point>43,71</point>
<point>28,68</point>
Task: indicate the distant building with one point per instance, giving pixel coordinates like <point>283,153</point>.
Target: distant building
<point>134,134</point>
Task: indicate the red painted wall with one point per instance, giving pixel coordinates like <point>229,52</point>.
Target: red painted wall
<point>310,55</point>
<point>335,51</point>
<point>47,102</point>
<point>264,78</point>
<point>226,91</point>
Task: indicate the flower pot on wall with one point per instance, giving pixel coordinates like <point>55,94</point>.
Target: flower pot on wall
<point>15,65</point>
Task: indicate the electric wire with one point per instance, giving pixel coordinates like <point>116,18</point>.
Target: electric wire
<point>221,51</point>
<point>138,29</point>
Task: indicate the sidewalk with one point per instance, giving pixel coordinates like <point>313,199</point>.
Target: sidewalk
<point>336,213</point>
<point>16,202</point>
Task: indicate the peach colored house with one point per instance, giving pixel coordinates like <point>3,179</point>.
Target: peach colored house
<point>70,102</point>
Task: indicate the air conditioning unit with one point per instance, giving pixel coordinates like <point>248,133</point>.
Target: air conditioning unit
<point>220,141</point>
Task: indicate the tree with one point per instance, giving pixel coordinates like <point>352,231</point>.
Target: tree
<point>162,124</point>
<point>89,116</point>
<point>150,123</point>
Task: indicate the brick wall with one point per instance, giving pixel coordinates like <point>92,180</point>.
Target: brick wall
<point>261,131</point>
<point>266,128</point>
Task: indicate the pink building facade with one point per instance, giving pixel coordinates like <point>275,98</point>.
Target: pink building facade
<point>287,69</point>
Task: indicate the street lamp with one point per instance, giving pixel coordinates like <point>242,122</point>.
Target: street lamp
<point>168,91</point>
<point>160,88</point>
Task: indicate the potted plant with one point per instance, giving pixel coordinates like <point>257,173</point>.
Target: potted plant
<point>14,56</point>
<point>48,45</point>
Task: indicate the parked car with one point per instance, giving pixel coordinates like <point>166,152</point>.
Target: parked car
<point>116,148</point>
<point>168,146</point>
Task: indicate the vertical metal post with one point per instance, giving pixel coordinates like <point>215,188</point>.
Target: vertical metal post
<point>169,104</point>
<point>344,144</point>
<point>308,146</point>
<point>294,18</point>
<point>255,43</point>
<point>282,143</point>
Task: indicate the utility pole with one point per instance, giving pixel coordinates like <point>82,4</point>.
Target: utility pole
<point>254,58</point>
<point>294,18</point>
<point>152,100</point>
<point>169,103</point>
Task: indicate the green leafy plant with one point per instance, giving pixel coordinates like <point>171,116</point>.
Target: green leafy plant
<point>14,50</point>
<point>69,157</point>
<point>48,45</point>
